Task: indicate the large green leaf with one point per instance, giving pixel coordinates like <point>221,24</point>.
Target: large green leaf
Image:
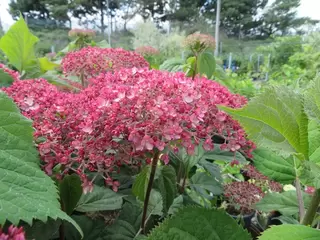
<point>46,64</point>
<point>285,202</point>
<point>172,65</point>
<point>206,64</point>
<point>290,232</point>
<point>274,166</point>
<point>205,184</point>
<point>312,99</point>
<point>18,45</point>
<point>275,119</point>
<point>310,174</point>
<point>140,184</point>
<point>26,192</point>
<point>100,199</point>
<point>166,183</point>
<point>5,79</point>
<point>70,192</point>
<point>194,223</point>
<point>314,141</point>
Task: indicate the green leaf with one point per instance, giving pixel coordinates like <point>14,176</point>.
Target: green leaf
<point>194,223</point>
<point>103,44</point>
<point>172,65</point>
<point>166,183</point>
<point>223,155</point>
<point>48,230</point>
<point>274,166</point>
<point>290,232</point>
<point>46,64</point>
<point>287,219</point>
<point>314,141</point>
<point>206,64</point>
<point>212,168</point>
<point>275,119</point>
<point>176,205</point>
<point>100,199</point>
<point>140,184</point>
<point>53,78</point>
<point>70,192</point>
<point>312,100</point>
<point>155,206</point>
<point>310,174</point>
<point>285,202</point>
<point>18,45</point>
<point>203,183</point>
<point>26,192</point>
<point>5,79</point>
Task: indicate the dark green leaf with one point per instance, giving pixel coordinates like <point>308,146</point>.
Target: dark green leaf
<point>204,184</point>
<point>140,184</point>
<point>5,79</point>
<point>223,155</point>
<point>70,192</point>
<point>100,199</point>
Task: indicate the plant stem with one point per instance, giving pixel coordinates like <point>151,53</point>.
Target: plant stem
<point>312,210</point>
<point>300,199</point>
<point>149,188</point>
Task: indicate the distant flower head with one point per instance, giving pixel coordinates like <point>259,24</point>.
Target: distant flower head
<point>81,33</point>
<point>14,74</point>
<point>91,61</point>
<point>14,233</point>
<point>147,51</point>
<point>242,195</point>
<point>309,190</point>
<point>198,42</point>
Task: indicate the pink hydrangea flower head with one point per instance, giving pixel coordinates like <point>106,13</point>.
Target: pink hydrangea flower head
<point>124,115</point>
<point>147,51</point>
<point>81,33</point>
<point>14,74</point>
<point>91,61</point>
<point>198,42</point>
<point>14,233</point>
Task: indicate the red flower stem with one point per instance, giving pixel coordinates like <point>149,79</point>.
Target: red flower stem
<point>149,188</point>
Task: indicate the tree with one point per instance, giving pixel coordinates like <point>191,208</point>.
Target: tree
<point>281,17</point>
<point>41,13</point>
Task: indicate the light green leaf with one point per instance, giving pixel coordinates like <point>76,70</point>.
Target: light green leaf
<point>275,119</point>
<point>172,65</point>
<point>195,223</point>
<point>312,100</point>
<point>314,141</point>
<point>26,192</point>
<point>140,184</point>
<point>70,192</point>
<point>204,184</point>
<point>53,78</point>
<point>18,45</point>
<point>166,183</point>
<point>206,64</point>
<point>285,202</point>
<point>290,232</point>
<point>5,79</point>
<point>100,199</point>
<point>103,44</point>
<point>176,205</point>
<point>46,64</point>
<point>155,206</point>
<point>274,166</point>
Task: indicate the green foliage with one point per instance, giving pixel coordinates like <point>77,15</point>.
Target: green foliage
<point>310,174</point>
<point>166,183</point>
<point>314,140</point>
<point>312,99</point>
<point>274,166</point>
<point>275,119</point>
<point>285,202</point>
<point>290,232</point>
<point>27,193</point>
<point>18,45</point>
<point>199,223</point>
<point>5,79</point>
<point>140,184</point>
<point>172,65</point>
<point>205,184</point>
<point>223,155</point>
<point>70,192</point>
<point>206,64</point>
<point>100,199</point>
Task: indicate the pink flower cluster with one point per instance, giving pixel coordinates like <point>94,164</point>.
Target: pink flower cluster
<point>123,115</point>
<point>81,33</point>
<point>91,61</point>
<point>14,233</point>
<point>14,74</point>
<point>199,42</point>
<point>147,51</point>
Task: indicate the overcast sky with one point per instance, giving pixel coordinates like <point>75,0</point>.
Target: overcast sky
<point>308,8</point>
